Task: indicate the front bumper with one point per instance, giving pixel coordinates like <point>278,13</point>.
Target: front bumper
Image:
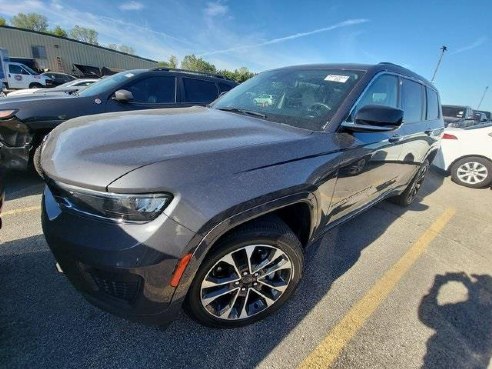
<point>121,268</point>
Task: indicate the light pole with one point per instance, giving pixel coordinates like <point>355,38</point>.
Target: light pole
<point>443,50</point>
<point>480,103</point>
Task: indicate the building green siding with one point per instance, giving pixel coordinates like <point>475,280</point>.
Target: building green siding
<point>20,43</point>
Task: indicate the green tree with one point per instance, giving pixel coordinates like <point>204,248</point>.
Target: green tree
<point>126,49</point>
<point>172,62</point>
<point>192,62</point>
<point>122,48</point>
<point>3,22</point>
<point>239,75</point>
<point>58,31</point>
<point>84,34</point>
<point>32,21</point>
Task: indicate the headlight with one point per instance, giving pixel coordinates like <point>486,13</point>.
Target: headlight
<point>112,206</point>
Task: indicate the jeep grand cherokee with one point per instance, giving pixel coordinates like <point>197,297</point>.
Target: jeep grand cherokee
<point>214,206</point>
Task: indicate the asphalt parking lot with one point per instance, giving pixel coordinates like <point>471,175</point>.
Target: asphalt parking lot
<point>393,288</point>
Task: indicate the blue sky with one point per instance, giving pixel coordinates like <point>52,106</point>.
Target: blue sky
<point>264,34</point>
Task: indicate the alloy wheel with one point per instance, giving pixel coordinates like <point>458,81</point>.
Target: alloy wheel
<point>245,282</point>
<point>472,172</point>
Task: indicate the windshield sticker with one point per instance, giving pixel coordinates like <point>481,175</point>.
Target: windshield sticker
<point>336,78</point>
<point>129,75</point>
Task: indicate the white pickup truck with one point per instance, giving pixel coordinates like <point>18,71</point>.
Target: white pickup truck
<point>17,75</point>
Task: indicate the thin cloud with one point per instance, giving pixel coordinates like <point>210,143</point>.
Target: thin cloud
<point>473,45</point>
<point>131,5</point>
<point>214,9</point>
<point>347,23</point>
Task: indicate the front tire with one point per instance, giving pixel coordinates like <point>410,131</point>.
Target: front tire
<point>250,274</point>
<point>35,85</point>
<point>410,193</point>
<point>472,171</point>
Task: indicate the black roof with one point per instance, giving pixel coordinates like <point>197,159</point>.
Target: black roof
<point>193,72</point>
<point>77,41</point>
<point>375,68</point>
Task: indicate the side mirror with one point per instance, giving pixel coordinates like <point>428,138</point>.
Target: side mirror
<point>123,96</point>
<point>376,118</point>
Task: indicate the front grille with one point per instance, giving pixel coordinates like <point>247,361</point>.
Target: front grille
<point>124,287</point>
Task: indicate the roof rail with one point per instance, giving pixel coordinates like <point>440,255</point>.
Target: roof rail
<point>166,69</point>
<point>390,63</point>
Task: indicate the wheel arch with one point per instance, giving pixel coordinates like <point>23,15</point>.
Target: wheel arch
<point>464,157</point>
<point>303,204</point>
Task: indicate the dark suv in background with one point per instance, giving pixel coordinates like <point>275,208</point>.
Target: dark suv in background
<point>458,116</point>
<point>214,206</point>
<point>26,120</point>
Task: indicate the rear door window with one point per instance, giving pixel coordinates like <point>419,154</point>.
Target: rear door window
<point>412,99</point>
<point>432,104</point>
<point>154,90</point>
<point>199,91</point>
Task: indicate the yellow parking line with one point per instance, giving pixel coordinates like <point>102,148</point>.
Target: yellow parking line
<point>332,345</point>
<point>20,211</point>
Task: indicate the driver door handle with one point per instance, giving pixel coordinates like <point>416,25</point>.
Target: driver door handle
<point>394,138</point>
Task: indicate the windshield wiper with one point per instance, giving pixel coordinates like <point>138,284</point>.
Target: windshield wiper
<point>244,112</point>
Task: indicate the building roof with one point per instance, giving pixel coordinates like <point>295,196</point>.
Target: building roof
<point>77,41</point>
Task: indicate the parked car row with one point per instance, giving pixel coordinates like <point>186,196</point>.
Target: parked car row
<point>26,119</point>
<point>67,88</point>
<point>463,116</point>
<point>212,207</point>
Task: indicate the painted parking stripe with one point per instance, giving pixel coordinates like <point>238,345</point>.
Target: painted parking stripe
<point>327,352</point>
<point>20,211</point>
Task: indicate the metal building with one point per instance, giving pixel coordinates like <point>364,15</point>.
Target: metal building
<point>62,54</point>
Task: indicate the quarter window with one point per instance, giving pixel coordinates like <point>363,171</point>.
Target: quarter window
<point>432,105</point>
<point>199,91</point>
<point>154,90</point>
<point>411,101</point>
<point>223,87</point>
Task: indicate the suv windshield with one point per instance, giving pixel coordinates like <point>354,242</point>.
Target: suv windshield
<point>453,111</point>
<point>109,83</point>
<point>304,98</point>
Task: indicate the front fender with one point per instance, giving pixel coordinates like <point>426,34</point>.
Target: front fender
<point>215,229</point>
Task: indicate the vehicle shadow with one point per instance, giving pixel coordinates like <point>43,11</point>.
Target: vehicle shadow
<point>463,337</point>
<point>22,183</point>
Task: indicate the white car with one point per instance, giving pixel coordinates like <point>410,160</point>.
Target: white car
<point>68,87</point>
<point>466,154</point>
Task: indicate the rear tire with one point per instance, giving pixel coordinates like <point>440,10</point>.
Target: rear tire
<point>472,171</point>
<point>410,193</point>
<point>254,271</point>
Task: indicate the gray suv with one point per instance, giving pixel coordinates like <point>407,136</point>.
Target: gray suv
<point>213,207</point>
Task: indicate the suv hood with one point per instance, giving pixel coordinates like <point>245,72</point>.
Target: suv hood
<point>53,108</point>
<point>94,151</point>
<point>18,100</point>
